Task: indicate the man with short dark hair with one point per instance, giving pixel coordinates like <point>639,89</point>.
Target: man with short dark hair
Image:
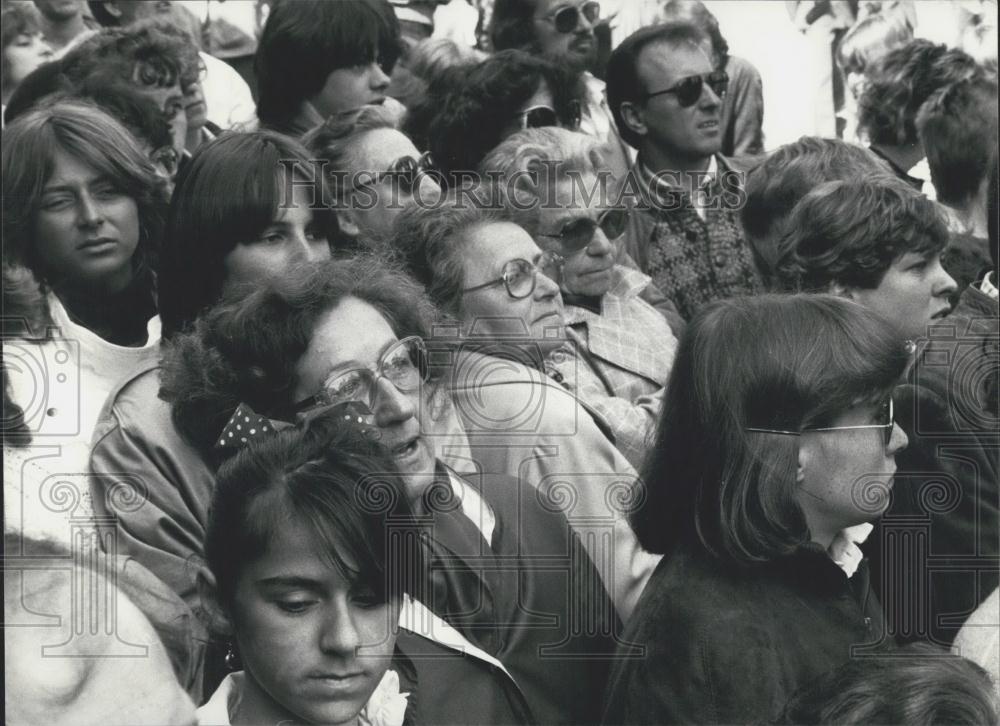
<point>666,97</point>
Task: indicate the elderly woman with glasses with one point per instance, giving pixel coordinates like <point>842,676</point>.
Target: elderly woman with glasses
<point>551,182</point>
<point>373,172</point>
<point>775,448</point>
<point>503,291</point>
<point>503,569</point>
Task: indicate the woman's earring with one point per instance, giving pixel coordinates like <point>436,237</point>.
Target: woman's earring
<point>232,659</point>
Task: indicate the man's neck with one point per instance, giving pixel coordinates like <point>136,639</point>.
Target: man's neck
<point>680,167</point>
<point>905,157</point>
<point>60,33</point>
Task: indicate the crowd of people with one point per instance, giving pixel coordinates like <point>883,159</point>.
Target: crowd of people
<point>480,363</point>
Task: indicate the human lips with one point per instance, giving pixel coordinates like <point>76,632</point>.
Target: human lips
<point>97,244</point>
<point>338,682</point>
<point>942,312</point>
<point>709,125</point>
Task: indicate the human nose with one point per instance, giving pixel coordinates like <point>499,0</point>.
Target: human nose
<point>339,634</point>
<point>898,441</point>
<point>944,284</point>
<point>709,98</point>
<point>390,405</point>
<point>379,79</point>
<point>545,286</point>
<point>89,212</point>
<point>600,245</point>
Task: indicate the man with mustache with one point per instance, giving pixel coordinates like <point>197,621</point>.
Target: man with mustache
<point>666,98</point>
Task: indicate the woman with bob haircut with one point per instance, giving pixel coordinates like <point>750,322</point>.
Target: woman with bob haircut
<point>776,441</point>
<point>349,335</point>
<point>233,223</point>
<point>317,59</point>
<point>305,584</point>
<point>83,210</point>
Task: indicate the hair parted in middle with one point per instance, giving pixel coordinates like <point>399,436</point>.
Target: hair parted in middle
<point>783,362</point>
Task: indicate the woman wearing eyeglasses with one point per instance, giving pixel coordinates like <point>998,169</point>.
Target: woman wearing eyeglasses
<point>509,91</point>
<point>373,172</point>
<point>503,568</point>
<point>503,292</point>
<point>621,347</point>
<point>777,442</point>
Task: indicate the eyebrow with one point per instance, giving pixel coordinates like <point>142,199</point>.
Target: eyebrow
<point>354,363</point>
<point>57,187</point>
<point>290,581</point>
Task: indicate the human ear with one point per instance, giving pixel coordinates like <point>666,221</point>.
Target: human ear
<point>218,620</point>
<point>633,119</point>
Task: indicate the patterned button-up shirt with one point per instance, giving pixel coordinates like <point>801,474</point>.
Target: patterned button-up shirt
<point>693,261</point>
<point>619,361</point>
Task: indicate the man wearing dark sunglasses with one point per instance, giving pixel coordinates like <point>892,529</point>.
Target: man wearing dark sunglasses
<point>563,32</point>
<point>666,96</point>
<point>621,347</point>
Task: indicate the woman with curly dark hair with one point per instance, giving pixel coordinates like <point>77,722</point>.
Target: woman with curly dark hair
<point>477,108</point>
<point>350,336</point>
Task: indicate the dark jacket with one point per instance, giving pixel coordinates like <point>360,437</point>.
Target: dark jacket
<point>730,645</point>
<point>939,540</point>
<point>531,598</point>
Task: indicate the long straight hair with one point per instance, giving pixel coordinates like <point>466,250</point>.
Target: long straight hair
<point>774,362</point>
<point>88,134</point>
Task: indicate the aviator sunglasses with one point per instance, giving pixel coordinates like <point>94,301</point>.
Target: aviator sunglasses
<point>567,18</point>
<point>577,234</point>
<point>688,90</point>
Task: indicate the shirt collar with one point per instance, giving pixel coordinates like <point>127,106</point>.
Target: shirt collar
<point>988,287</point>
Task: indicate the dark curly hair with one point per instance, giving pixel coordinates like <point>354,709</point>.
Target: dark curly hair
<point>512,25</point>
<point>849,232</point>
<point>472,114</point>
<point>245,350</point>
<point>147,55</point>
<point>900,83</point>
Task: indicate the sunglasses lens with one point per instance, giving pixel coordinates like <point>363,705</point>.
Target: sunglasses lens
<point>405,170</point>
<point>614,223</point>
<point>539,117</point>
<point>719,82</point>
<point>567,19</point>
<point>577,234</point>
<point>689,91</point>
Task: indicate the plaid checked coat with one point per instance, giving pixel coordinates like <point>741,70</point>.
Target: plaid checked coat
<point>619,361</point>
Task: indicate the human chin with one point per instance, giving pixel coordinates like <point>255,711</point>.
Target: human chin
<point>333,700</point>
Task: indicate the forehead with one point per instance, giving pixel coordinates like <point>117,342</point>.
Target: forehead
<point>299,212</point>
<point>68,168</point>
<point>352,331</point>
<point>660,64</point>
<point>377,149</point>
<point>293,551</point>
<point>491,246</point>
